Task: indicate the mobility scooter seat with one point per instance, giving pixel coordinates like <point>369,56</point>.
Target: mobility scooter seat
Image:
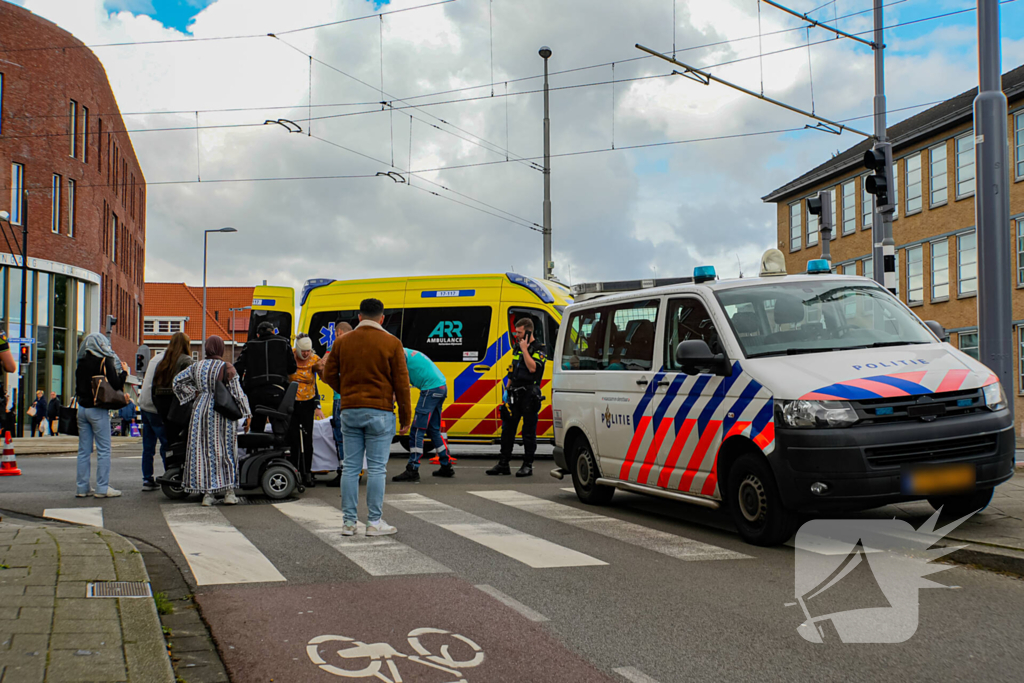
<point>252,441</point>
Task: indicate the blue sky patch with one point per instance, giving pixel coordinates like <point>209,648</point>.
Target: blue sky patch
<point>174,14</point>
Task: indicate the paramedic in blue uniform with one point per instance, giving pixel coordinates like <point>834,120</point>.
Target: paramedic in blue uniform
<point>522,400</point>
<point>433,388</point>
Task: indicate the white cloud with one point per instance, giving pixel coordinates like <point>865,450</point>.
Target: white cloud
<point>616,215</point>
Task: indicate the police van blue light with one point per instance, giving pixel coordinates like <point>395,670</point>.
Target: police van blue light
<point>818,266</point>
<point>704,274</point>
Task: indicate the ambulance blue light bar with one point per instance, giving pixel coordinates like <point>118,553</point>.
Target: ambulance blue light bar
<point>311,285</point>
<point>818,266</point>
<point>704,274</point>
<point>537,288</point>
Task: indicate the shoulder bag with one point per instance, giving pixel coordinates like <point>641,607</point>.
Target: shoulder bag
<point>224,402</point>
<point>67,422</point>
<point>104,395</point>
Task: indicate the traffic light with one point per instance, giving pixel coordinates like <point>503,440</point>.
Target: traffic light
<point>878,160</point>
<point>814,205</point>
<point>25,351</point>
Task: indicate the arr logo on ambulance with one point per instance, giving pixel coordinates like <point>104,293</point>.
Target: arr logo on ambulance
<point>447,333</point>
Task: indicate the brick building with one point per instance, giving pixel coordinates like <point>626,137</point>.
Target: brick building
<point>936,257</point>
<point>69,175</point>
<point>176,307</point>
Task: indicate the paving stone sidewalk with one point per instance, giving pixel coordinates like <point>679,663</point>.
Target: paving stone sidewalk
<point>50,632</point>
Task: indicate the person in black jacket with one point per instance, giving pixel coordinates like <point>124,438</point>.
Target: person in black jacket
<point>53,412</point>
<point>40,417</point>
<point>264,367</point>
<point>95,358</point>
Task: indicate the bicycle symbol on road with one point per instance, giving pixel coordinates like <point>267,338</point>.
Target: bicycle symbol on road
<point>380,654</point>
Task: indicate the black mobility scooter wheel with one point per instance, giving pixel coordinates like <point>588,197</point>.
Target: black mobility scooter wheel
<point>172,489</point>
<point>278,481</point>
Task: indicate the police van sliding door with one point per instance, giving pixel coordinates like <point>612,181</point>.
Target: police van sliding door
<point>620,349</point>
<point>457,339</point>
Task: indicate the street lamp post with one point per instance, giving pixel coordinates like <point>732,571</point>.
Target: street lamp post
<point>233,344</point>
<point>545,53</point>
<point>206,235</point>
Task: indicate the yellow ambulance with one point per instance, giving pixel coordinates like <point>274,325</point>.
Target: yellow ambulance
<point>273,304</point>
<point>463,323</point>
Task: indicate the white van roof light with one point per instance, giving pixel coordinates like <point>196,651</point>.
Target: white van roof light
<point>592,289</point>
<point>773,263</point>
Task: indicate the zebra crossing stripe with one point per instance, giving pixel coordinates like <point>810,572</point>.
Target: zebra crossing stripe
<point>530,550</point>
<point>662,542</point>
<point>86,516</point>
<point>378,556</point>
<point>216,551</point>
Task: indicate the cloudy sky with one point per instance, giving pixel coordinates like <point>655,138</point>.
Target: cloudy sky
<point>465,116</point>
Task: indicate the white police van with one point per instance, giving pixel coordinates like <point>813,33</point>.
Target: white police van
<point>776,396</point>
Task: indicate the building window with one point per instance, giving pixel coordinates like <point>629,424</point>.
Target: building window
<point>1018,136</point>
<point>937,174</point>
<point>195,356</point>
<point>835,211</point>
<point>968,343</point>
<point>940,270</point>
<point>113,238</point>
<point>17,196</point>
<point>1020,359</point>
<point>1020,252</point>
<point>73,127</point>
<point>896,270</point>
<point>796,226</point>
<point>55,203</point>
<point>895,189</point>
<point>965,165</point>
<point>85,134</point>
<point>967,263</point>
<point>71,207</point>
<point>913,168</point>
<point>849,207</point>
<point>812,229</point>
<point>867,205</point>
<point>915,274</point>
<point>147,326</point>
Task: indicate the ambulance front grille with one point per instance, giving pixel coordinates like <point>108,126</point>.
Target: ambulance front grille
<point>944,450</point>
<point>917,408</point>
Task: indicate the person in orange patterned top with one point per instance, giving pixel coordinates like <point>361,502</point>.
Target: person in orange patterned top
<point>307,406</point>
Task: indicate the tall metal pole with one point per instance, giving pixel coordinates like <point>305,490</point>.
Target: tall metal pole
<point>22,376</point>
<point>884,247</point>
<point>545,53</point>
<point>992,204</point>
<point>202,342</point>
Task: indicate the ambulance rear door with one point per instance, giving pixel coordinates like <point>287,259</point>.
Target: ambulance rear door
<point>273,304</point>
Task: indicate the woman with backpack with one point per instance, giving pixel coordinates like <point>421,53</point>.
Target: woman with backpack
<point>174,360</point>
<point>211,456</point>
<point>96,361</point>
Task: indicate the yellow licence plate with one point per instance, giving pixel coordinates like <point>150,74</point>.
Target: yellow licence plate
<point>939,479</point>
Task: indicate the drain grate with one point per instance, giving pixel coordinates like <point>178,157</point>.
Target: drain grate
<point>118,589</point>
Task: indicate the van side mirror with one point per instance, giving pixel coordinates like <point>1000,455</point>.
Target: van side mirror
<point>694,357</point>
<point>937,329</point>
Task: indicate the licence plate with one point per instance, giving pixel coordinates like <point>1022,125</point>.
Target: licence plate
<point>926,480</point>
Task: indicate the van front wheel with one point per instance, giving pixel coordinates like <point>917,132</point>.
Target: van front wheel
<point>585,474</point>
<point>756,506</point>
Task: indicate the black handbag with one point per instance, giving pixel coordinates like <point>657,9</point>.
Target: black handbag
<point>224,402</point>
<point>67,420</point>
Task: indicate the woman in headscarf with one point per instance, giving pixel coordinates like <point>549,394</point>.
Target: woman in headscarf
<point>211,458</point>
<point>95,357</point>
<point>307,405</point>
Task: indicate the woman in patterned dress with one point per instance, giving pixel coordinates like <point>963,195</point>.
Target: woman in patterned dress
<point>211,460</point>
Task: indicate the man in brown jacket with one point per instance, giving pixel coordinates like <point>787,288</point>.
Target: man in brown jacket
<point>367,369</point>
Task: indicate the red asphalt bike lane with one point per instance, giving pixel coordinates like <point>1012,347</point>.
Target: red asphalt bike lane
<point>411,630</point>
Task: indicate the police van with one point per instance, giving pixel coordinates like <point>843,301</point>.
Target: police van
<point>774,396</point>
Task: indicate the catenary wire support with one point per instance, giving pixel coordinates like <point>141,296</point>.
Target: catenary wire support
<point>309,124</point>
<point>199,175</point>
<point>760,47</point>
<point>815,22</point>
<point>410,147</point>
<point>490,32</point>
<point>810,73</point>
<point>287,124</point>
<point>613,105</point>
<point>506,120</point>
<point>824,128</point>
<point>674,28</point>
<point>394,175</point>
<point>706,78</point>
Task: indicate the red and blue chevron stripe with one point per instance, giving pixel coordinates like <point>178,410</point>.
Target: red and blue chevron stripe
<point>899,384</point>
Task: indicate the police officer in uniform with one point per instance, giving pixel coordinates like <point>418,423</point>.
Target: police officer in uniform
<point>263,368</point>
<point>9,365</point>
<point>522,400</point>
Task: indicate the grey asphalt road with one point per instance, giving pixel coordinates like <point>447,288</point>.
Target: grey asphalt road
<point>648,590</point>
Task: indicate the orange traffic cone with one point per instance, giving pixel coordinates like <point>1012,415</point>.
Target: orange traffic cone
<point>436,460</point>
<point>8,465</point>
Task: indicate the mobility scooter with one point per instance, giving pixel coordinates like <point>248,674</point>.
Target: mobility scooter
<point>265,464</point>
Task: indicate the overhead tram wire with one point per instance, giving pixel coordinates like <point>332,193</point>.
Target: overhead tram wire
<point>215,38</point>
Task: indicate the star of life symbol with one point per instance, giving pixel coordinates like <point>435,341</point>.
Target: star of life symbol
<point>888,552</point>
<point>327,336</point>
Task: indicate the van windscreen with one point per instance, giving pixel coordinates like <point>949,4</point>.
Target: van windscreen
<point>810,317</point>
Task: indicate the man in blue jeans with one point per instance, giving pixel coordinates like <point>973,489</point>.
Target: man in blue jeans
<point>367,369</point>
<point>152,427</point>
<point>433,387</point>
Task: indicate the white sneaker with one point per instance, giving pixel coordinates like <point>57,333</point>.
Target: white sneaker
<point>230,498</point>
<point>348,529</point>
<point>209,499</point>
<point>380,528</point>
<point>111,493</point>
<point>85,495</point>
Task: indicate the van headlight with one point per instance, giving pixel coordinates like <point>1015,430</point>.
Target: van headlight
<point>806,414</point>
<point>995,399</point>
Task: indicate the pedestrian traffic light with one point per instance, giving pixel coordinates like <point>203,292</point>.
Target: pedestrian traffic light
<point>24,354</point>
<point>814,205</point>
<point>878,160</point>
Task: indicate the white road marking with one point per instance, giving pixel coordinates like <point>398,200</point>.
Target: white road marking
<point>530,550</point>
<point>216,551</point>
<point>378,555</point>
<point>825,546</point>
<point>530,614</point>
<point>86,516</point>
<point>679,547</point>
<point>570,490</point>
<point>634,675</point>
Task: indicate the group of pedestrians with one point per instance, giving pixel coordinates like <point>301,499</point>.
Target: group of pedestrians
<point>45,414</point>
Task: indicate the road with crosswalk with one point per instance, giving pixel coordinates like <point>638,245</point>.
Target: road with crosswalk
<point>505,579</point>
